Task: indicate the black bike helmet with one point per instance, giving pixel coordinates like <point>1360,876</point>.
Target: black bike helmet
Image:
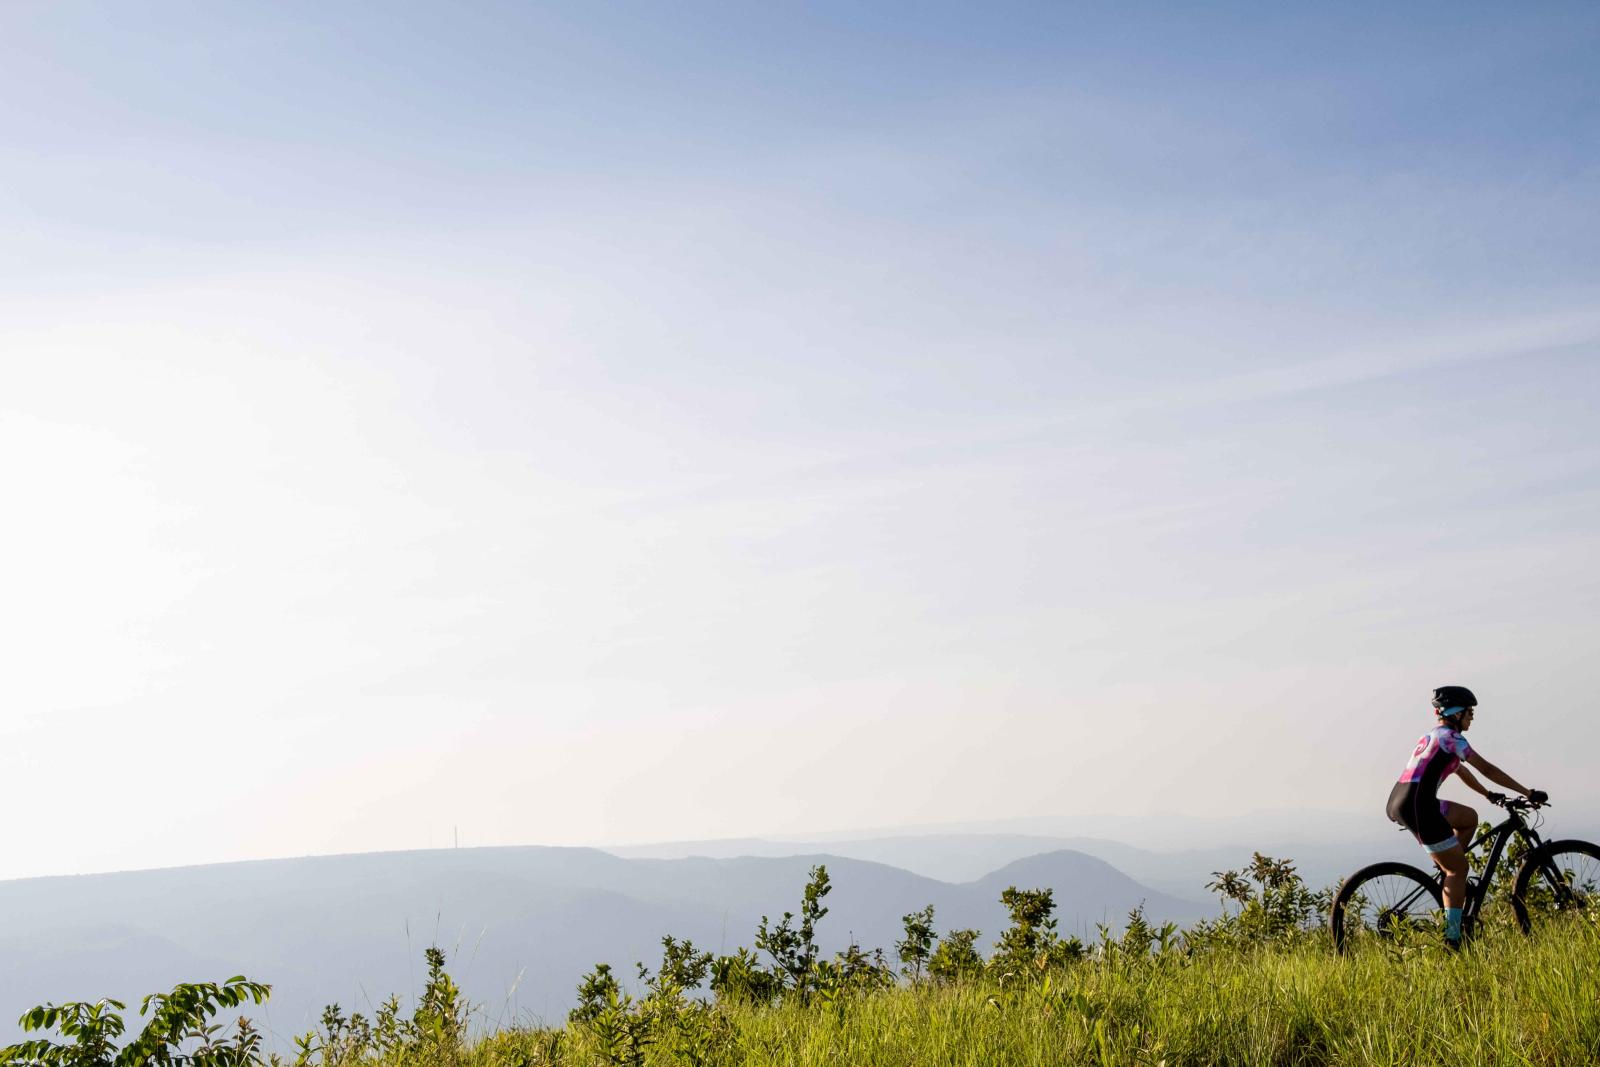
<point>1453,696</point>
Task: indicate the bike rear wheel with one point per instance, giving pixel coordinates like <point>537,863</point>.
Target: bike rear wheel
<point>1382,901</point>
<point>1557,877</point>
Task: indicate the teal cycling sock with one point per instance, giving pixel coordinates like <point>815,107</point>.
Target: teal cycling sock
<point>1452,923</point>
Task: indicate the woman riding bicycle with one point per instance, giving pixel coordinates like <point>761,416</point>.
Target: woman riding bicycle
<point>1442,827</point>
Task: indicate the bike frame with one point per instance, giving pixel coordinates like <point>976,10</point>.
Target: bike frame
<point>1514,824</point>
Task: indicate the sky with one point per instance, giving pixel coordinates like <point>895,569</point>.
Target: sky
<point>604,423</point>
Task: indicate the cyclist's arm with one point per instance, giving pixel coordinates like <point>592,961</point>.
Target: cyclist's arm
<point>1471,781</point>
<point>1494,774</point>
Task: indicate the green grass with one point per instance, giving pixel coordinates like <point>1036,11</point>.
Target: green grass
<point>1259,985</point>
<point>1508,1000</point>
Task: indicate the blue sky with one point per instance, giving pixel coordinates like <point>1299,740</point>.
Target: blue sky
<point>425,417</point>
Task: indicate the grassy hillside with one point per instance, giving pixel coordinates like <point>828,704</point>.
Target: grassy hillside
<point>1260,984</point>
<point>1507,1000</point>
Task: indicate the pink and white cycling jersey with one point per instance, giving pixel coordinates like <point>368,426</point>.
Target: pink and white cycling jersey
<point>1438,753</point>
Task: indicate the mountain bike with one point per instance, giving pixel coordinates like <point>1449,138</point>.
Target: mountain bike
<point>1385,899</point>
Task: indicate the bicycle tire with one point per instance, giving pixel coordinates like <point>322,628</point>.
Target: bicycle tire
<point>1582,867</point>
<point>1391,882</point>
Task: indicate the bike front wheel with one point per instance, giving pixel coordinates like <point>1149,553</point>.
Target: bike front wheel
<point>1384,901</point>
<point>1557,877</point>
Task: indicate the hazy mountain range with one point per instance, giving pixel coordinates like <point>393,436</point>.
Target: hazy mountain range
<point>1175,854</point>
<point>965,857</point>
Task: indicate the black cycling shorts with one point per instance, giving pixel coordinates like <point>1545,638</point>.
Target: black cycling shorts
<point>1421,811</point>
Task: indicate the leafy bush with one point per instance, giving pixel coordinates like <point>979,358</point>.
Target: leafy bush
<point>956,959</point>
<point>1138,943</point>
<point>851,972</point>
<point>1030,945</point>
<point>180,1031</point>
<point>1273,905</point>
<point>916,948</point>
<point>741,979</point>
<point>794,949</point>
<point>434,1033</point>
<point>622,1030</point>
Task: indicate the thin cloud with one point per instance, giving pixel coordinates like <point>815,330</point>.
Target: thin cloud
<point>1514,338</point>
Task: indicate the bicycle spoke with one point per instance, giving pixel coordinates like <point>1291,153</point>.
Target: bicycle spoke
<point>1572,881</point>
<point>1388,904</point>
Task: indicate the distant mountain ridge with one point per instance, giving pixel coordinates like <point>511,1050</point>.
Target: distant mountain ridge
<point>522,924</point>
<point>962,857</point>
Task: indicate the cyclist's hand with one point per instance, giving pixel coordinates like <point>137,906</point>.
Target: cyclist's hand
<point>1497,799</point>
<point>1538,796</point>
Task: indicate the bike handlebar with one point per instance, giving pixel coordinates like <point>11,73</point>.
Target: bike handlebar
<point>1521,803</point>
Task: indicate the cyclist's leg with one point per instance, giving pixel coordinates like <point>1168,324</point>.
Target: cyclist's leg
<point>1463,820</point>
<point>1453,862</point>
<point>1451,858</point>
<point>1419,811</point>
<point>1438,837</point>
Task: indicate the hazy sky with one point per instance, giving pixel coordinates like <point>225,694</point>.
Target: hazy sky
<point>584,423</point>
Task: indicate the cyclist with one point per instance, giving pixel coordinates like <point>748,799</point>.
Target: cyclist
<point>1444,828</point>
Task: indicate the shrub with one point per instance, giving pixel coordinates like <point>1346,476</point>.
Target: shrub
<point>956,959</point>
<point>794,949</point>
<point>180,1030</point>
<point>1273,905</point>
<point>1030,945</point>
<point>740,979</point>
<point>916,947</point>
<point>435,1032</point>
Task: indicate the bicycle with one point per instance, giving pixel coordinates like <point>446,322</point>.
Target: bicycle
<point>1384,899</point>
